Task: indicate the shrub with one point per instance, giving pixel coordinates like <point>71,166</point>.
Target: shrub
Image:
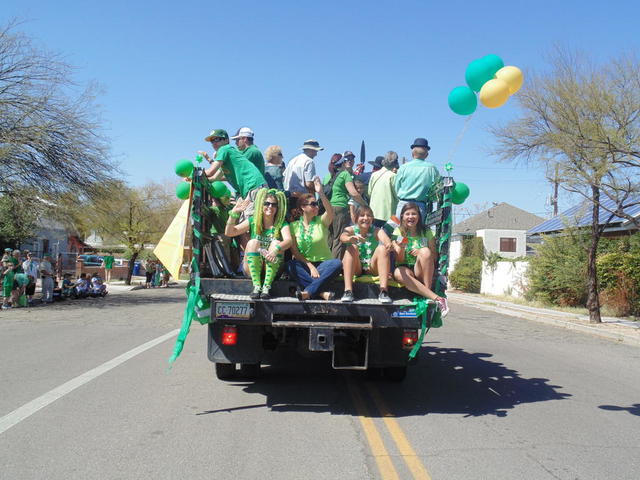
<point>467,274</point>
<point>558,273</point>
<point>619,276</point>
<point>472,247</point>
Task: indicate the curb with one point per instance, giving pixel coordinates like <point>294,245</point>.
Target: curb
<point>539,315</point>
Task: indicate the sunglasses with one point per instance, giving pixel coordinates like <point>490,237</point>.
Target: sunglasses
<point>312,204</point>
<point>270,204</point>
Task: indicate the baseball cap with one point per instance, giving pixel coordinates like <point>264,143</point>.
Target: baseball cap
<point>243,132</point>
<point>218,133</point>
<point>348,153</point>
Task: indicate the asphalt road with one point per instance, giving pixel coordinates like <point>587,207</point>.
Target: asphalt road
<point>494,397</point>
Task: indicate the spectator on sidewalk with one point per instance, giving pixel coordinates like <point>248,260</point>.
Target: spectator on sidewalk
<point>149,268</point>
<point>46,274</point>
<point>82,285</point>
<point>31,268</point>
<point>107,264</point>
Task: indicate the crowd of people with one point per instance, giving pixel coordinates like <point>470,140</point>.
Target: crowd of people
<point>356,222</point>
<point>20,272</point>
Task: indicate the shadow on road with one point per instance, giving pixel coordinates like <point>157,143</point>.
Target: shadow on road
<point>633,409</point>
<point>447,380</point>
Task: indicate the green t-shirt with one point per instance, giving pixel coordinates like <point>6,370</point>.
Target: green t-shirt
<point>243,175</point>
<point>412,243</point>
<point>254,155</point>
<point>312,242</point>
<point>267,236</point>
<point>108,261</point>
<point>339,194</point>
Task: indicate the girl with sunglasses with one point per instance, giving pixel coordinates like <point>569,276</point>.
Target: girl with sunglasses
<point>313,265</point>
<point>415,261</point>
<point>367,253</point>
<point>270,237</point>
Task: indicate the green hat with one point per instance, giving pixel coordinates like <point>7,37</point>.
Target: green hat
<point>218,190</point>
<point>218,133</point>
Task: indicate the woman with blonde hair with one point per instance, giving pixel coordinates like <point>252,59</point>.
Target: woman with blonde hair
<point>270,237</point>
<point>274,168</point>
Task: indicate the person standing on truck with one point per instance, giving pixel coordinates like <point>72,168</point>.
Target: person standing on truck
<point>300,172</point>
<point>274,169</point>
<point>270,237</point>
<point>367,254</point>
<point>243,175</point>
<point>244,143</point>
<point>417,179</point>
<point>343,189</point>
<point>312,265</point>
<point>382,191</point>
<point>414,246</point>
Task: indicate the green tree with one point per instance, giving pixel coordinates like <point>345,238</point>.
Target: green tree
<point>50,137</point>
<point>581,123</point>
<point>18,216</point>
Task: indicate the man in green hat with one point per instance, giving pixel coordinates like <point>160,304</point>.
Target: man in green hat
<point>243,175</point>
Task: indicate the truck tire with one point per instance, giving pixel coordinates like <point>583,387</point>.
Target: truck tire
<point>250,371</point>
<point>395,374</point>
<point>225,371</point>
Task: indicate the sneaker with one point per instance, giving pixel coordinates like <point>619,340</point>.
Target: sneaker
<point>443,305</point>
<point>255,294</point>
<point>347,297</point>
<point>6,307</point>
<point>264,294</point>
<point>384,297</point>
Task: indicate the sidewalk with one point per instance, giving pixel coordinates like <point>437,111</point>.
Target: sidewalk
<point>620,330</point>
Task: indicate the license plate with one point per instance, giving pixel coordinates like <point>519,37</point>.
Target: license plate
<point>233,310</point>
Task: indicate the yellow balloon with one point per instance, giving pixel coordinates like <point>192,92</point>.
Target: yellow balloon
<point>512,76</point>
<point>494,93</point>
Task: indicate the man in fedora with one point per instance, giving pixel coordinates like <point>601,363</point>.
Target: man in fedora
<point>243,175</point>
<point>244,143</point>
<point>300,172</point>
<point>416,179</point>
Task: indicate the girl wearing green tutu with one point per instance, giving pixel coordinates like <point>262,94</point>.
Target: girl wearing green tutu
<point>270,237</point>
<point>415,260</point>
<point>367,253</point>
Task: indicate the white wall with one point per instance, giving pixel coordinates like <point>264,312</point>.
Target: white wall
<point>455,251</point>
<point>508,278</point>
<point>491,240</point>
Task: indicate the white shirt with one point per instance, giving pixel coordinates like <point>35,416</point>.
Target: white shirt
<point>30,267</point>
<point>300,170</point>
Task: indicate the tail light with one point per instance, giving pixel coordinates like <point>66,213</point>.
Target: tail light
<point>409,338</point>
<point>229,335</point>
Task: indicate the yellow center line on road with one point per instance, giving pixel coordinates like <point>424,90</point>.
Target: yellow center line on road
<point>383,460</point>
<point>412,460</point>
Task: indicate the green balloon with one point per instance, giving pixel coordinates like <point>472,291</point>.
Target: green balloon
<point>463,101</point>
<point>183,190</point>
<point>218,189</point>
<point>493,62</point>
<point>184,168</point>
<point>459,193</point>
<point>478,73</point>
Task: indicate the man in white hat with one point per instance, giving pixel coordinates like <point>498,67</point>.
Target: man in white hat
<point>244,143</point>
<point>300,172</point>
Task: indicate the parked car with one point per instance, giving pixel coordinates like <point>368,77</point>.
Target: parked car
<point>91,260</point>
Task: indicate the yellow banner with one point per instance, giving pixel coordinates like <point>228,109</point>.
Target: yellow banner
<point>170,248</point>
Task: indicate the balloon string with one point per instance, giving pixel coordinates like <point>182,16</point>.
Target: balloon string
<point>459,138</point>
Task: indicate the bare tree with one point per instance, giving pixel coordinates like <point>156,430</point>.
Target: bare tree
<point>50,139</point>
<point>582,122</point>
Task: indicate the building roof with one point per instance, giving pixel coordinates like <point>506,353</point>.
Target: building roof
<point>499,217</point>
<point>581,215</point>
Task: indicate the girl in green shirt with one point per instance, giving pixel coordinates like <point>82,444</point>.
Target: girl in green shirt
<point>415,260</point>
<point>270,237</point>
<point>367,253</point>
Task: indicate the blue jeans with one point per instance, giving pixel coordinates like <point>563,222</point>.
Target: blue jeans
<point>421,205</point>
<point>328,269</point>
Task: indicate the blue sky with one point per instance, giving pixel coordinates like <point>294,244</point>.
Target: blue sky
<point>339,72</point>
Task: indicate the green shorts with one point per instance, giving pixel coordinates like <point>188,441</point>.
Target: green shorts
<point>6,290</point>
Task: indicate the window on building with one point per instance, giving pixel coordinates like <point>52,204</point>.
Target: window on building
<point>507,244</point>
